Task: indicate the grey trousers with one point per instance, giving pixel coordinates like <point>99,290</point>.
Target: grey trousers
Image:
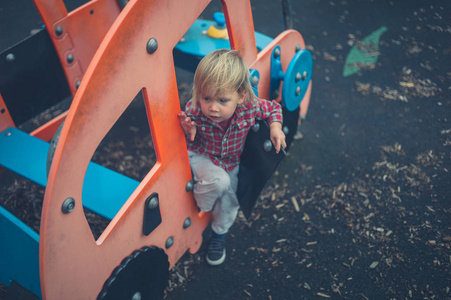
<point>215,190</point>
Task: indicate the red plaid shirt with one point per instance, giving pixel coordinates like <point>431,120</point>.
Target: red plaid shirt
<point>224,147</point>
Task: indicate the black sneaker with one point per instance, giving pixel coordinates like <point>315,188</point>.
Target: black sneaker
<point>216,253</point>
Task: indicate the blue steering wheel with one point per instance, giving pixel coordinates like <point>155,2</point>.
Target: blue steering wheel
<point>295,80</point>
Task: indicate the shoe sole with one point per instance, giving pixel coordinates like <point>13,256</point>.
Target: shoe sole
<point>218,261</point>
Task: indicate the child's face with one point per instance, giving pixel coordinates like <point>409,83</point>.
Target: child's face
<point>220,108</point>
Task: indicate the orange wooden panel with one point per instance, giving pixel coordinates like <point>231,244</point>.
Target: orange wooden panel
<point>47,131</point>
<point>72,263</point>
<point>82,30</point>
<point>240,26</point>
<point>5,118</point>
<point>287,41</point>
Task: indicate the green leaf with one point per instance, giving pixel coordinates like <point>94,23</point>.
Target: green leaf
<point>364,54</point>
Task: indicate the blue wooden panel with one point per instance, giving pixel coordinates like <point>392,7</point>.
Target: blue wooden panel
<point>19,253</point>
<point>197,44</point>
<point>104,191</point>
<point>24,154</point>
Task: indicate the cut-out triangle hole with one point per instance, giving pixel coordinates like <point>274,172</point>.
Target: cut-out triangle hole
<point>127,149</point>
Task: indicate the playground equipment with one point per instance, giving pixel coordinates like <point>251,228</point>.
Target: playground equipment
<point>108,52</point>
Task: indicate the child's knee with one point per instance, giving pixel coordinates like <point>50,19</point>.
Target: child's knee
<point>205,207</point>
<point>222,184</point>
<point>211,191</point>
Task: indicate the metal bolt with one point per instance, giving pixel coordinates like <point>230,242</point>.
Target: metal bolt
<point>298,47</point>
<point>277,53</point>
<point>152,46</point>
<point>189,186</point>
<point>298,90</point>
<point>10,57</point>
<point>304,75</point>
<point>285,130</point>
<point>77,84</point>
<point>136,296</point>
<point>255,80</point>
<point>70,58</point>
<point>8,133</point>
<point>59,30</point>
<point>169,242</point>
<point>68,205</point>
<point>183,39</point>
<point>298,77</point>
<point>267,145</point>
<point>256,127</point>
<point>187,223</point>
<point>153,203</point>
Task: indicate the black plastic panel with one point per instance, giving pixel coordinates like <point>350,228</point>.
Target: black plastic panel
<point>152,215</point>
<point>31,77</point>
<point>256,168</point>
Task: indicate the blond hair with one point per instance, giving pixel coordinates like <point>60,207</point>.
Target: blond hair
<point>222,71</point>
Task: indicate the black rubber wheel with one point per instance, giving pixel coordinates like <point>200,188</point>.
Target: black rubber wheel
<point>141,276</point>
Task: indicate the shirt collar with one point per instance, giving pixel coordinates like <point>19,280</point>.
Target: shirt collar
<point>240,112</point>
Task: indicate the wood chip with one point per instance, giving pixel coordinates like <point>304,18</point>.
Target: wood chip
<point>280,205</point>
<point>406,84</point>
<point>180,277</point>
<point>369,216</point>
<point>364,297</point>
<point>374,264</point>
<point>295,204</point>
<point>323,295</point>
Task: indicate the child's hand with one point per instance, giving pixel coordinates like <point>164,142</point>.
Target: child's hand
<point>189,127</point>
<point>277,136</point>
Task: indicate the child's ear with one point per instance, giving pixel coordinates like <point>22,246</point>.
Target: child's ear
<point>242,97</point>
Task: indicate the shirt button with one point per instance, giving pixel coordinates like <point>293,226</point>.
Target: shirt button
<point>245,123</point>
<point>203,128</point>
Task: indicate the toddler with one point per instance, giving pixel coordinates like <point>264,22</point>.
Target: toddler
<point>216,122</point>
